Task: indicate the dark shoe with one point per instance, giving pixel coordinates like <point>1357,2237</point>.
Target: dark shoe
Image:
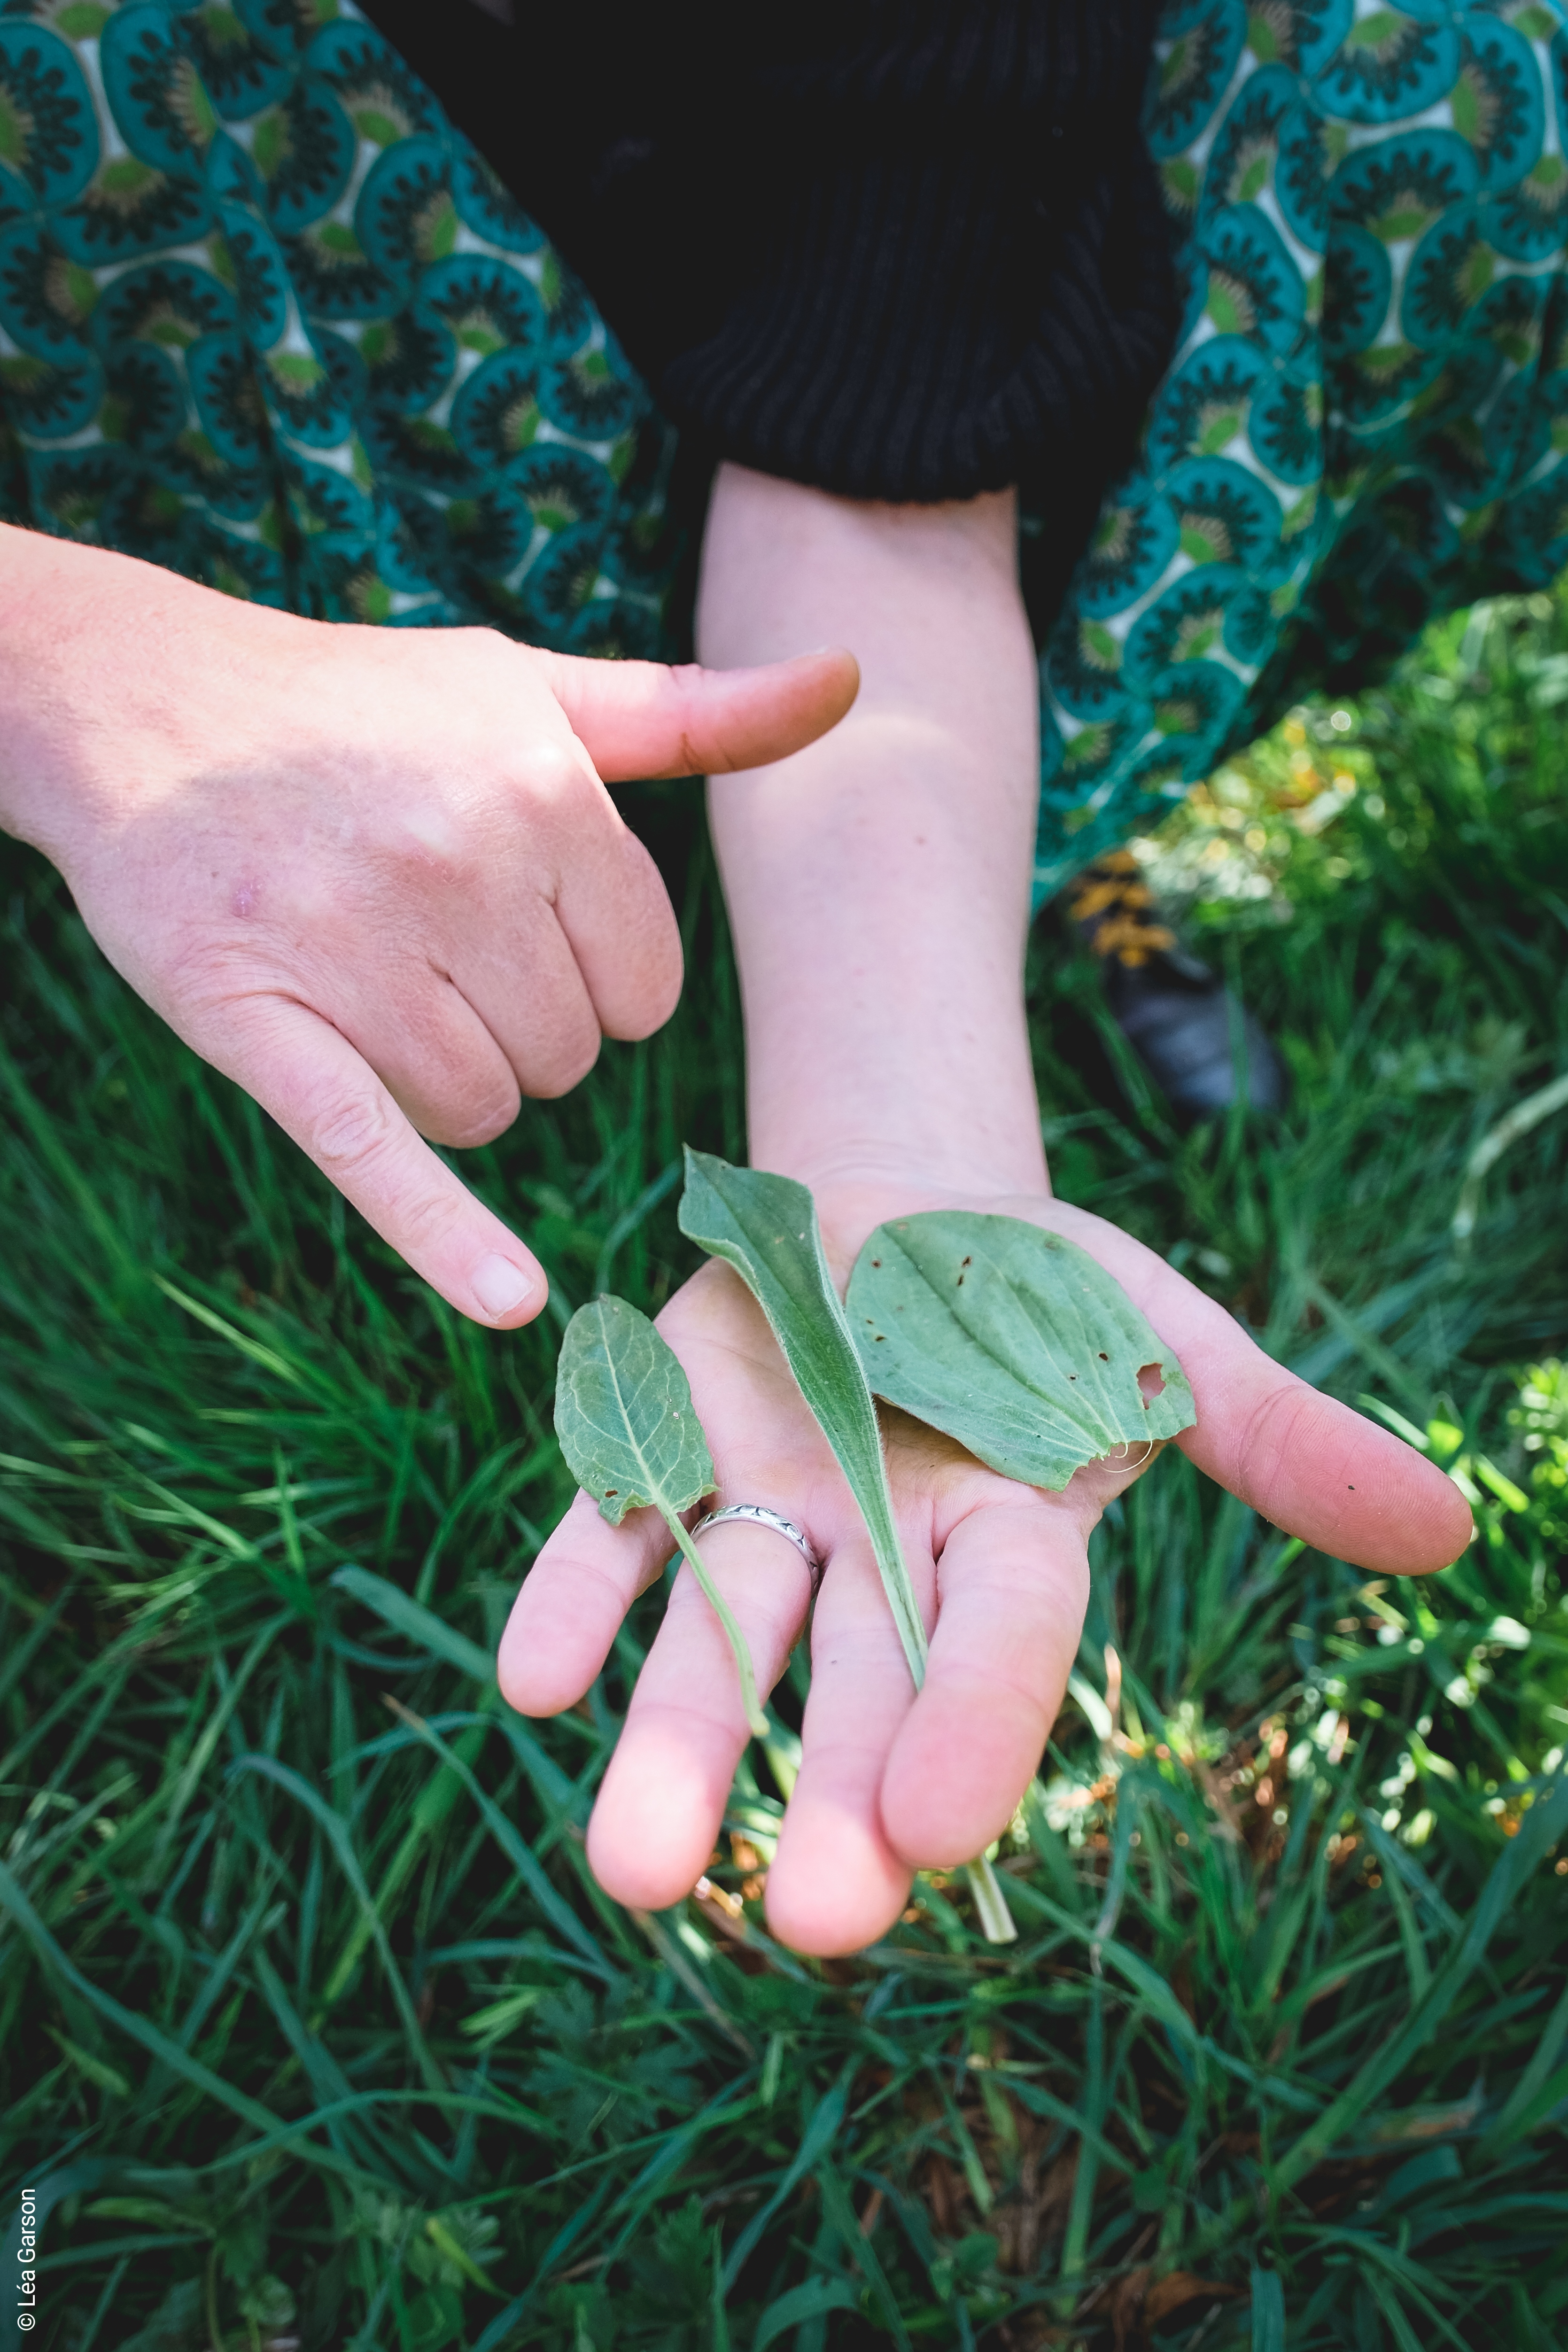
<point>1186,1027</point>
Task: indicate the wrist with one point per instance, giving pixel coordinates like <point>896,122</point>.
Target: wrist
<point>854,1195</point>
<point>67,615</point>
<point>994,1151</point>
<point>108,665</point>
<point>872,1081</point>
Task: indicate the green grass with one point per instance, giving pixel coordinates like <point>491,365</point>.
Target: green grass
<point>314,2030</point>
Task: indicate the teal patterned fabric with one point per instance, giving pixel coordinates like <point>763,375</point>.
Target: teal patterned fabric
<point>266,320</point>
<point>1366,419</point>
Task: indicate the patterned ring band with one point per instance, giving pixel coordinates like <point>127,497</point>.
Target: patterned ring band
<point>760,1516</point>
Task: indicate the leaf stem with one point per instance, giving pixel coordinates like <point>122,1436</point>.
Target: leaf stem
<point>756,1719</point>
<point>990,1903</point>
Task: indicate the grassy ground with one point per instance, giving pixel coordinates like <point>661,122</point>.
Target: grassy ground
<point>314,2031</point>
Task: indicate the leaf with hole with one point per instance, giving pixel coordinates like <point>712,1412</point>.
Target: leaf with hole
<point>630,1433</point>
<point>1013,1340</point>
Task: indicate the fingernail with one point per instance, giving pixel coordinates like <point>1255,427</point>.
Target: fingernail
<point>499,1286</point>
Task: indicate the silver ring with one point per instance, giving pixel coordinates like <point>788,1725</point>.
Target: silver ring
<point>760,1516</point>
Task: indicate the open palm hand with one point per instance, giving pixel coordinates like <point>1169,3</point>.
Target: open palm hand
<point>892,1780</point>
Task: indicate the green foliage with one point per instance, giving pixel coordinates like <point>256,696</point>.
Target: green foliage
<point>766,1228</point>
<point>1012,1340</point>
<point>624,1417</point>
<point>631,1437</point>
<point>1114,2126</point>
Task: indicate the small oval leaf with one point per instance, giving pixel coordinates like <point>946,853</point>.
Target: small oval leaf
<point>630,1433</point>
<point>623,1414</point>
<point>1011,1339</point>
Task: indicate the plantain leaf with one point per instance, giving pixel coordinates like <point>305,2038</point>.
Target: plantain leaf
<point>624,1417</point>
<point>630,1433</point>
<point>1012,1340</point>
<point>765,1227</point>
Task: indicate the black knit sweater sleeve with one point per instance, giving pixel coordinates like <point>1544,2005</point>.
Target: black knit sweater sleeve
<point>904,250</point>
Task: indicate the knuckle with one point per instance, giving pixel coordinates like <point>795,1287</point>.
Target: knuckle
<point>557,773</point>
<point>431,840</point>
<point>653,999</point>
<point>564,1068</point>
<point>202,976</point>
<point>483,643</point>
<point>345,1133</point>
<point>1278,1425</point>
<point>487,657</point>
<point>649,967</point>
<point>461,1129</point>
<point>427,1220</point>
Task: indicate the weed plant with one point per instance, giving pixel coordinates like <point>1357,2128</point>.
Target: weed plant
<point>314,2030</point>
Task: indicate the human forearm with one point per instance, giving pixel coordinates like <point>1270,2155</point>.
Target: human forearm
<point>878,891</point>
<point>878,881</point>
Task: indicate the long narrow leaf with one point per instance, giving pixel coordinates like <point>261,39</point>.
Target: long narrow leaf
<point>765,1227</point>
<point>419,1624</point>
<point>140,2030</point>
<point>341,1843</point>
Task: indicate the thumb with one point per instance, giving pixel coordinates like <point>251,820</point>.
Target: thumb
<point>1301,1460</point>
<point>1311,1465</point>
<point>646,718</point>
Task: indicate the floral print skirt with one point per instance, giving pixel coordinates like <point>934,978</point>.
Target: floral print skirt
<point>1365,422</point>
<point>267,318</point>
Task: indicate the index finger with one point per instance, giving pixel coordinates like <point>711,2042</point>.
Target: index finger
<point>307,1076</point>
